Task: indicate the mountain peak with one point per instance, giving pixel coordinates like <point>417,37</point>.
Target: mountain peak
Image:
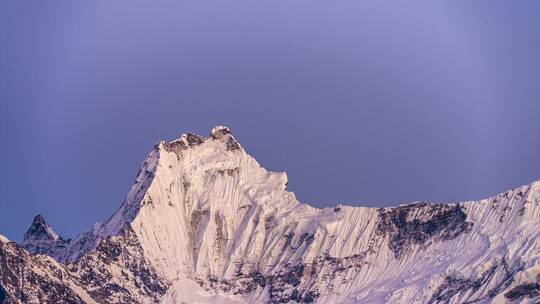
<point>39,219</point>
<point>220,131</point>
<point>41,238</point>
<point>214,224</point>
<point>191,140</point>
<point>4,239</point>
<point>224,134</point>
<point>40,231</point>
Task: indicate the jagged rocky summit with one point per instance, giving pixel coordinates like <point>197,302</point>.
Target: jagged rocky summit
<point>205,223</point>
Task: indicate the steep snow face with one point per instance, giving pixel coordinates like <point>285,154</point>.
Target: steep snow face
<point>202,210</point>
<point>207,206</point>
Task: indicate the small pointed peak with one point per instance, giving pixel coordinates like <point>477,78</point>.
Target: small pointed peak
<point>224,133</point>
<point>40,231</point>
<point>39,219</point>
<point>219,132</point>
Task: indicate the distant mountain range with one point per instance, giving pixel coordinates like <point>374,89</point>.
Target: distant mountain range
<point>205,223</point>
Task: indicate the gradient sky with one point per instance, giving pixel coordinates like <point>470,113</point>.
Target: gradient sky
<point>360,102</point>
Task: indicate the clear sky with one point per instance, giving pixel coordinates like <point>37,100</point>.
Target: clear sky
<point>368,103</point>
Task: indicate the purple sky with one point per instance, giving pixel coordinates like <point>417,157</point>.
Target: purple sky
<point>360,102</point>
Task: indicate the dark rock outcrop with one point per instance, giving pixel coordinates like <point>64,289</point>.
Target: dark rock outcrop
<point>33,279</point>
<point>122,252</point>
<point>417,224</point>
<point>528,290</point>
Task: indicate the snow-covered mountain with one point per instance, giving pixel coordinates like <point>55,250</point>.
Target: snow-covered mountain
<point>205,223</point>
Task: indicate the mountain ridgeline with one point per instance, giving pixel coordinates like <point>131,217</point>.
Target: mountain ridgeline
<point>205,223</point>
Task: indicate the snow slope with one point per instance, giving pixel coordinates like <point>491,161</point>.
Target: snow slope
<point>205,223</point>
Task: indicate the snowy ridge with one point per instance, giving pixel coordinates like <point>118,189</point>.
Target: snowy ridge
<point>125,214</point>
<point>204,216</point>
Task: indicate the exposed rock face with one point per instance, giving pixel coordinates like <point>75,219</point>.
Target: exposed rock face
<point>41,238</point>
<point>29,278</point>
<point>185,142</point>
<point>204,223</point>
<point>40,231</point>
<point>116,272</point>
<point>496,278</point>
<point>528,290</point>
<point>417,224</point>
